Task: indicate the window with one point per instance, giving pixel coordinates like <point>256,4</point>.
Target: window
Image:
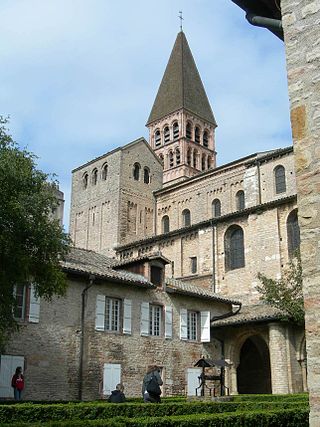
<point>104,172</point>
<point>156,275</point>
<point>155,320</point>
<point>146,176</point>
<point>27,304</point>
<point>112,318</point>
<point>203,162</point>
<point>205,139</point>
<point>171,161</point>
<point>209,162</point>
<point>234,248</point>
<point>280,179</point>
<point>192,326</point>
<point>189,157</point>
<point>175,128</point>
<point>195,155</point>
<point>186,218</point>
<point>197,134</point>
<point>157,138</point>
<point>94,176</point>
<point>293,233</point>
<point>20,301</point>
<point>188,130</point>
<point>178,157</point>
<point>216,208</point>
<point>165,224</point>
<point>85,179</point>
<point>240,200</point>
<point>136,171</point>
<point>166,134</point>
<point>193,264</point>
<point>161,158</point>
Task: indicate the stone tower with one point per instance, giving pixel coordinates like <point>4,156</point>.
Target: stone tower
<point>181,122</point>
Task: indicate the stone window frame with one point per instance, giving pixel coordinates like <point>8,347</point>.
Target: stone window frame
<point>178,156</point>
<point>175,130</point>
<point>104,171</point>
<point>279,173</point>
<point>234,248</point>
<point>166,134</point>
<point>240,200</point>
<point>165,224</point>
<point>186,217</point>
<point>293,233</point>
<point>216,208</point>
<point>193,265</point>
<point>189,127</point>
<point>193,325</point>
<point>197,133</point>
<point>171,159</point>
<point>94,176</point>
<point>146,175</point>
<point>205,138</point>
<point>113,317</point>
<point>85,180</point>
<point>136,171</point>
<point>157,138</point>
<point>155,320</point>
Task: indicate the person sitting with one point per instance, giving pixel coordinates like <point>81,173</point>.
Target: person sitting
<point>117,395</point>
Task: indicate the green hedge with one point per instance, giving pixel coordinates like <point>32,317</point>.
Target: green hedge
<point>91,411</point>
<point>281,418</point>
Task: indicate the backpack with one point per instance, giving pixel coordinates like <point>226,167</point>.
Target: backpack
<point>153,386</point>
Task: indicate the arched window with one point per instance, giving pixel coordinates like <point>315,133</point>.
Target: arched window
<point>188,130</point>
<point>216,208</point>
<point>136,171</point>
<point>178,157</point>
<point>85,180</point>
<point>146,175</point>
<point>104,172</point>
<point>234,248</point>
<point>189,157</point>
<point>209,162</point>
<point>157,138</point>
<point>205,139</point>
<point>197,134</point>
<point>203,162</point>
<point>186,218</point>
<point>280,179</point>
<point>94,176</point>
<point>195,155</point>
<point>161,158</point>
<point>240,200</point>
<point>293,232</point>
<point>175,129</point>
<point>171,162</point>
<point>166,134</point>
<point>165,224</point>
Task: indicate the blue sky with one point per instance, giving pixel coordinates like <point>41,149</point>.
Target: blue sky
<point>79,77</point>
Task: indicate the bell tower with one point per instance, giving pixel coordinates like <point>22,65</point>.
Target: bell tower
<point>181,123</point>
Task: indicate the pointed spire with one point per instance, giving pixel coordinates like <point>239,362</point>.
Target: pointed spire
<point>181,86</point>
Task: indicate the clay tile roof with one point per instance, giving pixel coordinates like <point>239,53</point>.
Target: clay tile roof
<point>82,261</point>
<point>181,86</point>
<point>250,314</point>
<point>186,288</point>
<point>148,257</point>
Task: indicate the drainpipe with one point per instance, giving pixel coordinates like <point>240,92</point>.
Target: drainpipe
<point>83,306</point>
<point>262,21</point>
<point>213,258</point>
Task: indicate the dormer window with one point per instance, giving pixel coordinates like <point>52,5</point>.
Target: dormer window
<point>188,130</point>
<point>157,138</point>
<point>166,134</point>
<point>197,135</point>
<point>175,129</point>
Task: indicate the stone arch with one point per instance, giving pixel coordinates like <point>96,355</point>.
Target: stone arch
<point>254,371</point>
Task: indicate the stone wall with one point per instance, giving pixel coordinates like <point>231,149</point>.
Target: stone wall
<point>301,20</point>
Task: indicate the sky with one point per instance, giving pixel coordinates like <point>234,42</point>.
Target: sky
<point>78,78</point>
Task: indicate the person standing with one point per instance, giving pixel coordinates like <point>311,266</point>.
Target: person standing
<point>151,385</point>
<point>17,382</point>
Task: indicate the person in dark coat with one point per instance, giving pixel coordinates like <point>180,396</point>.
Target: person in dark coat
<point>153,371</point>
<point>17,382</point>
<point>117,395</point>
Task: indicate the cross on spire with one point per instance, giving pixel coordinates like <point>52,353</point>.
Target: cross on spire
<point>181,19</point>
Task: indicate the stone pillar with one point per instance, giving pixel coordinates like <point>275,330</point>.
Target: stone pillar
<point>278,358</point>
<point>301,29</point>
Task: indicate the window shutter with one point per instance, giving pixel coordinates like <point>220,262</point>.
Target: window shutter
<point>111,377</point>
<point>183,324</point>
<point>168,321</point>
<point>100,312</point>
<point>144,324</point>
<point>34,307</point>
<point>127,304</point>
<point>205,326</point>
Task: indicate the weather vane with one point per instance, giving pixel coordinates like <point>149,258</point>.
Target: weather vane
<point>181,19</point>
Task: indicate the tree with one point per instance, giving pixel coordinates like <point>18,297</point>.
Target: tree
<point>285,293</point>
<point>31,242</point>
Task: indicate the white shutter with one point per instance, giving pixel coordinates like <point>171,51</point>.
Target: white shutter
<point>183,324</point>
<point>193,381</point>
<point>111,377</point>
<point>34,306</point>
<point>8,365</point>
<point>205,326</point>
<point>168,321</point>
<point>127,304</point>
<point>100,312</point>
<point>144,323</point>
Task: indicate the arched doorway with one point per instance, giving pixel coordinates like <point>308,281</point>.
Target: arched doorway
<point>253,373</point>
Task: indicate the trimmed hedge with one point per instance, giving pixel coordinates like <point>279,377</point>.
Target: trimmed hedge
<point>281,418</point>
<point>91,411</point>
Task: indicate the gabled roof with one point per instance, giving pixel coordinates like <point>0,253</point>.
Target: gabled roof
<point>181,86</point>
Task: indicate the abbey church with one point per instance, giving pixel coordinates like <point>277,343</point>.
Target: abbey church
<point>167,248</point>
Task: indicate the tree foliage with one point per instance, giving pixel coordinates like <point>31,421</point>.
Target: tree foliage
<point>31,242</point>
<point>285,293</point>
